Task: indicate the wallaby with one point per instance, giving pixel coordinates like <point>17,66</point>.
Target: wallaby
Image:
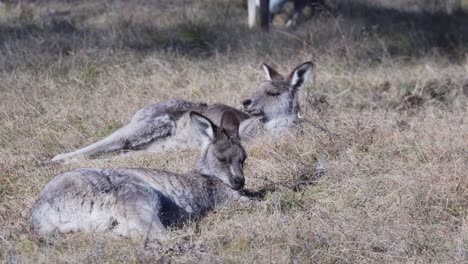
<point>276,102</point>
<point>138,202</point>
<point>165,126</point>
<point>276,5</point>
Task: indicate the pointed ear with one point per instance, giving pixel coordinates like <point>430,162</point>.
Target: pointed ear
<point>230,123</point>
<point>271,74</point>
<point>300,75</point>
<point>204,127</point>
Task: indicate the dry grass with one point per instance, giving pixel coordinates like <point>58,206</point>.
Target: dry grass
<point>377,172</point>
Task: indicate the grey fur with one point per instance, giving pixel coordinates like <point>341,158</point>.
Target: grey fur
<point>276,102</point>
<point>138,202</point>
<point>166,126</point>
<point>151,124</point>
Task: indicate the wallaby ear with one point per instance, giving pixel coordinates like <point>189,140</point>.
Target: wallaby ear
<point>300,75</point>
<point>271,74</point>
<point>230,123</point>
<point>204,127</point>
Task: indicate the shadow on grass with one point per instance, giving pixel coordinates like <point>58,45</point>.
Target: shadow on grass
<point>307,177</point>
<point>60,38</point>
<point>412,33</point>
<point>404,34</point>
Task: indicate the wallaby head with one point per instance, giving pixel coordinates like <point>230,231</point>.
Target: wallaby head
<point>279,95</point>
<point>222,154</point>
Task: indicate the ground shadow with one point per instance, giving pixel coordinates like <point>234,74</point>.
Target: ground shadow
<point>60,38</point>
<point>405,34</point>
<point>306,177</point>
<point>412,33</point>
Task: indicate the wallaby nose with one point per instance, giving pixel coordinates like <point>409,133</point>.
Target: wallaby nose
<point>247,103</point>
<point>239,183</point>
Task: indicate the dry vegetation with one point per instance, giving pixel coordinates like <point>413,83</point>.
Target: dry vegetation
<point>377,172</point>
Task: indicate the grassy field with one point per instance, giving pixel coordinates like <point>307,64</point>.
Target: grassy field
<point>377,172</point>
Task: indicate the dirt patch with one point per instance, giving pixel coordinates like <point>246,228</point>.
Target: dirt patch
<point>436,91</point>
<point>318,102</point>
<point>411,101</point>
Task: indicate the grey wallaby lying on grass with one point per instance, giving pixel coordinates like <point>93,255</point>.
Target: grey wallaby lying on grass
<point>138,202</point>
<point>163,126</point>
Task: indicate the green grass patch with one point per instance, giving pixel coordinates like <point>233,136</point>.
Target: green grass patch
<point>458,210</point>
<point>240,245</point>
<point>314,192</point>
<point>195,35</point>
<point>90,73</point>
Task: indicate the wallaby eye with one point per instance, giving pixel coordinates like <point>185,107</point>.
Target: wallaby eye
<point>272,93</point>
<point>222,159</point>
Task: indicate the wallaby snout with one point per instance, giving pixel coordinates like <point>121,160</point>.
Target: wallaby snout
<point>246,103</point>
<point>239,183</point>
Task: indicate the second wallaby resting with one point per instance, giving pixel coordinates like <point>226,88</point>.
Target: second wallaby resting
<point>165,126</point>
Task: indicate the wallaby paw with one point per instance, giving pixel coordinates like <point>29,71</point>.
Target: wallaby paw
<point>59,158</point>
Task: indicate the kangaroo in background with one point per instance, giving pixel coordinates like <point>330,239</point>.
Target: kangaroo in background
<point>137,202</point>
<point>276,5</point>
<point>165,126</point>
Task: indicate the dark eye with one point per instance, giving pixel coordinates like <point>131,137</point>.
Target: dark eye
<point>273,93</point>
<point>222,159</point>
